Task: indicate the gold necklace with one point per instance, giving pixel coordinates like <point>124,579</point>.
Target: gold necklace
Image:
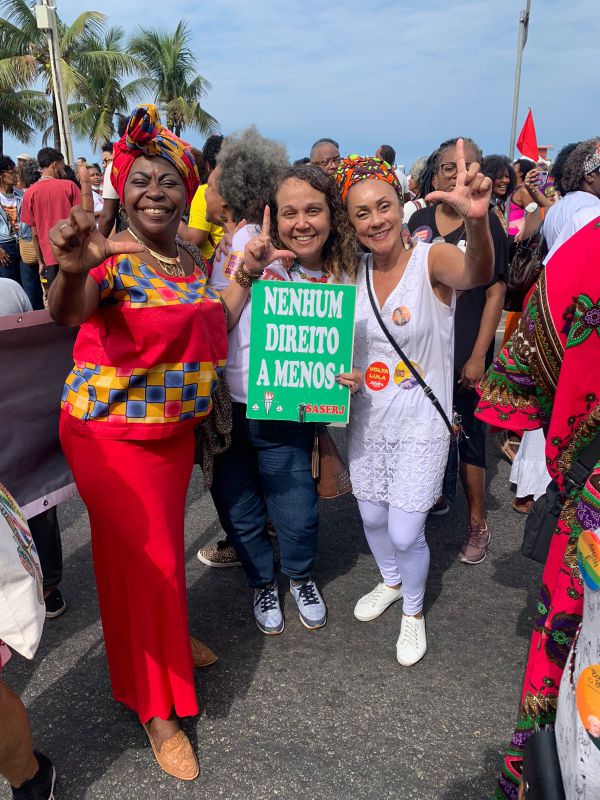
<point>171,266</point>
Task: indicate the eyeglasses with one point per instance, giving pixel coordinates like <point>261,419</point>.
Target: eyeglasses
<point>450,170</point>
<point>327,161</point>
<point>106,160</point>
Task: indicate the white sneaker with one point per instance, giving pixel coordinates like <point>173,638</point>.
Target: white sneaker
<point>412,642</point>
<point>372,605</point>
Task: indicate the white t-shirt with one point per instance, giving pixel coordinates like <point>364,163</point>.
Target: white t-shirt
<point>9,200</point>
<point>98,202</point>
<point>108,190</point>
<point>402,180</point>
<point>578,221</point>
<point>562,212</point>
<point>13,299</point>
<point>223,273</point>
<point>411,207</point>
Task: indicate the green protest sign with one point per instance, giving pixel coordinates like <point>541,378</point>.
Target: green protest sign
<point>301,337</point>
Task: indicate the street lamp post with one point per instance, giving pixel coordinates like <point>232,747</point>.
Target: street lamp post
<point>46,21</point>
<point>521,42</point>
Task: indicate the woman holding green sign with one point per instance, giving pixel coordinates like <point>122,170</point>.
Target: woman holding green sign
<point>267,469</point>
<point>400,427</point>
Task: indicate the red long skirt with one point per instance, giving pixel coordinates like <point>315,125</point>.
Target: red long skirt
<point>135,496</point>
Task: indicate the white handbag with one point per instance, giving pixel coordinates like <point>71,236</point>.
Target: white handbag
<point>22,608</point>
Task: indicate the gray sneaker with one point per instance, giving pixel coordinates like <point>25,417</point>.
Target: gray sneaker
<point>267,611</point>
<point>311,606</point>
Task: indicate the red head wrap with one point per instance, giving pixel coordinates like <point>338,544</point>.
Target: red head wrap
<point>145,136</point>
<point>356,168</point>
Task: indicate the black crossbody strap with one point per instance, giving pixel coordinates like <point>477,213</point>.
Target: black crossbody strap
<point>426,388</point>
<point>586,461</point>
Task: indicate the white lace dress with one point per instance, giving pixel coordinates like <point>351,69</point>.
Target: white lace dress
<point>398,442</point>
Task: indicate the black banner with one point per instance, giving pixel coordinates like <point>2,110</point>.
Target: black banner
<point>36,355</point>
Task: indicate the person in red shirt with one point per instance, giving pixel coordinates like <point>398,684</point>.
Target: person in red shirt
<point>45,203</point>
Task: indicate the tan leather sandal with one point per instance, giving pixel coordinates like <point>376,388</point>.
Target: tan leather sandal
<point>509,445</point>
<point>523,504</point>
<point>202,655</point>
<point>176,756</point>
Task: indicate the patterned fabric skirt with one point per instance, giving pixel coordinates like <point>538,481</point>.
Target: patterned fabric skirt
<point>558,614</point>
<point>135,496</point>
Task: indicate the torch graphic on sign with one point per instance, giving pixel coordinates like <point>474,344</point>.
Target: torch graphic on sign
<point>268,401</point>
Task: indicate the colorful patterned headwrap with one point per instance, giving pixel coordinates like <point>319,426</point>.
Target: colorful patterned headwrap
<point>145,136</point>
<point>358,168</point>
<point>592,162</point>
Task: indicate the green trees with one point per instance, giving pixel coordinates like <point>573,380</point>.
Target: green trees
<point>22,112</point>
<point>105,94</point>
<point>171,65</point>
<point>104,75</point>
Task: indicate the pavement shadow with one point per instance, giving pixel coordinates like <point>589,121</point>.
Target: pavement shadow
<point>219,600</point>
<point>342,538</point>
<point>515,571</point>
<point>79,590</point>
<point>220,611</point>
<point>478,786</point>
<point>445,534</point>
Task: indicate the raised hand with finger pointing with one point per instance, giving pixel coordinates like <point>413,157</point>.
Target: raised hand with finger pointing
<point>77,244</point>
<point>471,194</point>
<point>259,251</point>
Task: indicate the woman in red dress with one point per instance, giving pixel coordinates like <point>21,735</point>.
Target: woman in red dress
<point>152,344</point>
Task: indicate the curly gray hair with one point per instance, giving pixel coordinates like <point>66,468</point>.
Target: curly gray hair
<point>418,168</point>
<point>249,164</point>
<point>574,171</point>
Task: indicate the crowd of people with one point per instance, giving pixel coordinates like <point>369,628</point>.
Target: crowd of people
<point>154,258</point>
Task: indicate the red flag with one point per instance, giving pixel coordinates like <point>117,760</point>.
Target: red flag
<point>527,141</point>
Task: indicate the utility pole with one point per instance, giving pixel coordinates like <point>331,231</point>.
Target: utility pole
<point>521,42</point>
<point>46,21</point>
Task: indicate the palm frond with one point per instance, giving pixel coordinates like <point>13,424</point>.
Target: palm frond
<point>89,23</point>
<point>21,14</point>
<point>18,71</point>
<point>171,64</point>
<point>23,112</point>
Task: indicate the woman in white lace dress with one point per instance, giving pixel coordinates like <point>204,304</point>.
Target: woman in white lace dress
<point>398,440</point>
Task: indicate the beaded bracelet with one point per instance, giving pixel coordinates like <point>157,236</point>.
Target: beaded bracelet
<point>245,279</point>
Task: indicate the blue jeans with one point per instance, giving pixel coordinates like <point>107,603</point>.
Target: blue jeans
<point>25,274</point>
<point>267,472</point>
<point>12,269</point>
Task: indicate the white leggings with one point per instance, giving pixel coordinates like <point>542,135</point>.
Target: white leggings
<point>397,541</point>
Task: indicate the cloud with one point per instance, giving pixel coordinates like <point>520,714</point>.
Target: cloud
<point>396,71</point>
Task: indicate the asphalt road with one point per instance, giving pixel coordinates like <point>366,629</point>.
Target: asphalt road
<point>326,714</point>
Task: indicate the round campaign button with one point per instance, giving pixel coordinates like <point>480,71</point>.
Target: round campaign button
<point>587,695</point>
<point>400,315</point>
<point>377,376</point>
<point>404,377</point>
<point>423,233</point>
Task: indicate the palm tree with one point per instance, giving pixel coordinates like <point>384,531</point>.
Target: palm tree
<point>172,66</point>
<point>25,61</point>
<point>104,94</point>
<point>22,113</point>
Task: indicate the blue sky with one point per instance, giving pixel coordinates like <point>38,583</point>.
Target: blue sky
<point>404,73</point>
